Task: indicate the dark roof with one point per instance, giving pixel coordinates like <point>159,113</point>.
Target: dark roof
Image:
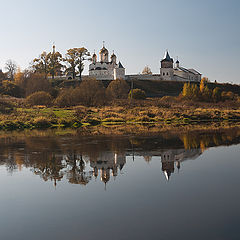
<point>177,61</point>
<point>167,57</point>
<point>120,65</point>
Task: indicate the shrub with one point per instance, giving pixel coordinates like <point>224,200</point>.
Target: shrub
<point>91,92</point>
<point>39,98</point>
<point>137,94</point>
<point>6,106</point>
<point>41,122</point>
<point>216,95</point>
<point>11,89</point>
<point>65,98</point>
<point>36,82</point>
<point>118,89</point>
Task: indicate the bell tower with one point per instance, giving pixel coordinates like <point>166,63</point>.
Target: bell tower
<point>166,70</point>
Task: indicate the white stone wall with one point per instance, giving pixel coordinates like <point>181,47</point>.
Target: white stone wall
<point>101,74</point>
<point>119,73</point>
<point>166,74</point>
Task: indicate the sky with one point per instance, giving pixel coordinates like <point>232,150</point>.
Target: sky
<point>204,35</point>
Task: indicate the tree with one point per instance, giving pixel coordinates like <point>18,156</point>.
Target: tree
<point>206,94</point>
<point>202,85</point>
<point>36,82</point>
<point>137,94</point>
<point>216,95</point>
<point>71,58</point>
<point>82,56</point>
<point>11,68</point>
<point>41,64</point>
<point>147,71</point>
<point>2,75</point>
<point>118,89</point>
<point>55,65</point>
<point>92,92</point>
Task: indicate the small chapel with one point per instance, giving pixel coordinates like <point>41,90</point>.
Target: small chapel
<point>105,69</point>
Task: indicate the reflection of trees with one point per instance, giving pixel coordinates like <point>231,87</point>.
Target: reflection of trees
<point>53,158</point>
<point>76,173</point>
<point>49,168</point>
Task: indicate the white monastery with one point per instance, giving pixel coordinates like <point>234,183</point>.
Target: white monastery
<point>111,70</point>
<point>105,69</point>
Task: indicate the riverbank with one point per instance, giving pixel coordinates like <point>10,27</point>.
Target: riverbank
<point>120,117</point>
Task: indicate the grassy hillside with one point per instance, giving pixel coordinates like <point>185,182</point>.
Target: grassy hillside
<point>158,88</point>
<point>172,88</point>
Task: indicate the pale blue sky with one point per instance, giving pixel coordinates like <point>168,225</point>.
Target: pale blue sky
<point>205,34</point>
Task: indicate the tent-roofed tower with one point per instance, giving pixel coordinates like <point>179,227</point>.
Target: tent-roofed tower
<point>166,70</point>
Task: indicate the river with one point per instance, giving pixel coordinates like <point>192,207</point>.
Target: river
<point>162,186</point>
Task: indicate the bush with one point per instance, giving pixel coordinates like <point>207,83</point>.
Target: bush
<point>91,93</point>
<point>6,106</point>
<point>137,94</point>
<point>39,98</point>
<point>118,89</point>
<point>65,98</point>
<point>41,122</point>
<point>11,89</point>
<point>36,82</point>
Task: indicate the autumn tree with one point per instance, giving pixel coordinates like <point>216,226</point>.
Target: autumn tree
<point>36,82</point>
<point>72,59</point>
<point>2,75</point>
<point>147,71</point>
<point>190,91</point>
<point>55,65</point>
<point>41,64</point>
<point>92,92</point>
<point>216,94</point>
<point>11,68</point>
<point>118,89</point>
<point>202,85</point>
<point>206,94</point>
<point>82,56</point>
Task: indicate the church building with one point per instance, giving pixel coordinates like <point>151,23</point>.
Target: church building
<point>105,69</point>
<point>169,72</point>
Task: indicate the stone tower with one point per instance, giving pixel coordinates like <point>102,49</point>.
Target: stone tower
<point>166,70</point>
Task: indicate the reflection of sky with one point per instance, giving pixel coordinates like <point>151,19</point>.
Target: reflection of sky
<point>200,202</point>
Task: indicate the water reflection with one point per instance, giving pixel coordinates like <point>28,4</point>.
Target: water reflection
<point>81,159</point>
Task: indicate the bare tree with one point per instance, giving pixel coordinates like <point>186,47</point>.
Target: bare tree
<point>11,68</point>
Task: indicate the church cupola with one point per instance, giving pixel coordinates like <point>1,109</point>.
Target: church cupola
<point>94,58</point>
<point>113,59</point>
<point>103,54</point>
<point>177,64</point>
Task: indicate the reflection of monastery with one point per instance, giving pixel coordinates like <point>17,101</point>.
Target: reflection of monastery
<point>111,70</point>
<point>81,169</point>
<point>173,157</point>
<point>108,163</point>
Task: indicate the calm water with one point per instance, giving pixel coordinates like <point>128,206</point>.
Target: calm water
<point>169,186</point>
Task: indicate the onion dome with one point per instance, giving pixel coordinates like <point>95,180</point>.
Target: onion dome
<point>103,51</point>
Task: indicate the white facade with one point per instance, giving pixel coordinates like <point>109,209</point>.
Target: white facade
<point>105,69</point>
<point>170,73</point>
